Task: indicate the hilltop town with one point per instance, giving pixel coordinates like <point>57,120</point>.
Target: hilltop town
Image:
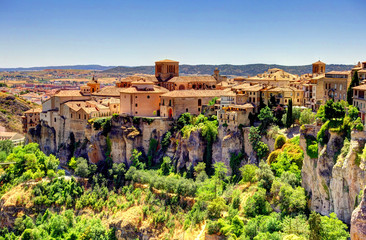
<point>196,156</point>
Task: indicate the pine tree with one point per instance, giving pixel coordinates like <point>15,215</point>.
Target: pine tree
<point>315,226</point>
<point>355,82</point>
<point>289,119</point>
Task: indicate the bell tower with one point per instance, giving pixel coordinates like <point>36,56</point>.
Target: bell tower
<point>318,67</point>
<point>166,69</point>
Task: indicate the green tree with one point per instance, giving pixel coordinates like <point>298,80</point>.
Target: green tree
<point>266,118</point>
<point>265,176</point>
<point>353,112</point>
<point>354,82</point>
<point>333,228</point>
<point>289,120</point>
<point>307,117</point>
<point>216,207</point>
<point>315,226</point>
<point>6,146</point>
<point>248,173</point>
<point>257,204</point>
<point>333,110</point>
<point>82,168</point>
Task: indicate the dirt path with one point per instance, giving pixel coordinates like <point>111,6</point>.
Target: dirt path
<point>201,236</point>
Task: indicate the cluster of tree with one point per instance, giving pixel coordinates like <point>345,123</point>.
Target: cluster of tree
<point>6,147</point>
<point>58,226</point>
<point>28,162</point>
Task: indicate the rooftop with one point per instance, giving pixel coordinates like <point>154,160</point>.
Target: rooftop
<point>153,89</point>
<point>166,61</point>
<point>186,79</point>
<point>194,93</point>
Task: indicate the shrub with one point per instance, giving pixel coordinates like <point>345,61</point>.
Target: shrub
<point>321,136</point>
<point>273,156</point>
<point>311,147</point>
<point>257,204</point>
<point>216,207</point>
<point>248,173</point>
<point>280,141</point>
<point>264,175</point>
<point>307,117</point>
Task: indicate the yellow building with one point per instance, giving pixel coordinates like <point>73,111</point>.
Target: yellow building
<point>274,77</point>
<point>333,85</point>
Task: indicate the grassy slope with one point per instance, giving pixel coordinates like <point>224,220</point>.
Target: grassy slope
<point>11,111</point>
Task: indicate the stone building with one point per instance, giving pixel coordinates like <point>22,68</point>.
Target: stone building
<point>234,115</point>
<point>31,118</point>
<point>282,95</point>
<point>173,104</point>
<point>274,77</point>
<point>333,85</point>
<point>248,93</point>
<point>141,99</point>
<point>361,70</point>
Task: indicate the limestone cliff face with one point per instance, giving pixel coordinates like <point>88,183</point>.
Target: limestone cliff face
<point>348,178</point>
<point>358,222</point>
<point>333,185</point>
<point>45,136</point>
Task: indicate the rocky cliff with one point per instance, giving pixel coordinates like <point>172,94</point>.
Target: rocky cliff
<point>128,133</point>
<point>332,180</point>
<point>358,222</point>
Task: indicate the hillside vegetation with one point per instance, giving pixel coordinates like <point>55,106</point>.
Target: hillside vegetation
<point>11,111</point>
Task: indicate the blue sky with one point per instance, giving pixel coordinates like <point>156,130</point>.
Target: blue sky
<point>130,33</point>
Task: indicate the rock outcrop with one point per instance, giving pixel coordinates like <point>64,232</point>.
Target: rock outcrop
<point>358,222</point>
<point>45,136</point>
<point>334,181</point>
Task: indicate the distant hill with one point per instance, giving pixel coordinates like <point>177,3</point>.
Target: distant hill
<point>227,69</point>
<point>80,67</point>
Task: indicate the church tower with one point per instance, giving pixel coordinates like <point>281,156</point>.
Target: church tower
<point>166,69</point>
<point>318,67</point>
<point>93,84</point>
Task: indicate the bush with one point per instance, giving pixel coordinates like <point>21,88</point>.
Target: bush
<point>280,141</point>
<point>307,117</point>
<point>265,176</point>
<point>248,173</point>
<point>257,204</point>
<point>321,136</point>
<point>216,207</point>
<point>273,156</point>
<point>311,147</point>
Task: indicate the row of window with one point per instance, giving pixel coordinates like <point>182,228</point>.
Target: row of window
<point>329,86</point>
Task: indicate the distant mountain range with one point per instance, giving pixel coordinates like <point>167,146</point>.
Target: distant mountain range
<point>225,69</point>
<point>79,67</point>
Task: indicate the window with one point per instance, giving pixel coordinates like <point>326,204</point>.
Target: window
<point>199,102</point>
<point>148,96</point>
<point>136,105</point>
<point>186,109</point>
<point>55,119</point>
<point>199,109</point>
<point>135,96</point>
<point>340,87</point>
<point>335,86</point>
<point>71,115</point>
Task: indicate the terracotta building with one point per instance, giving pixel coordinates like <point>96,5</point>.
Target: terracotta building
<point>31,118</point>
<point>141,99</point>
<point>174,103</point>
<point>166,69</point>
